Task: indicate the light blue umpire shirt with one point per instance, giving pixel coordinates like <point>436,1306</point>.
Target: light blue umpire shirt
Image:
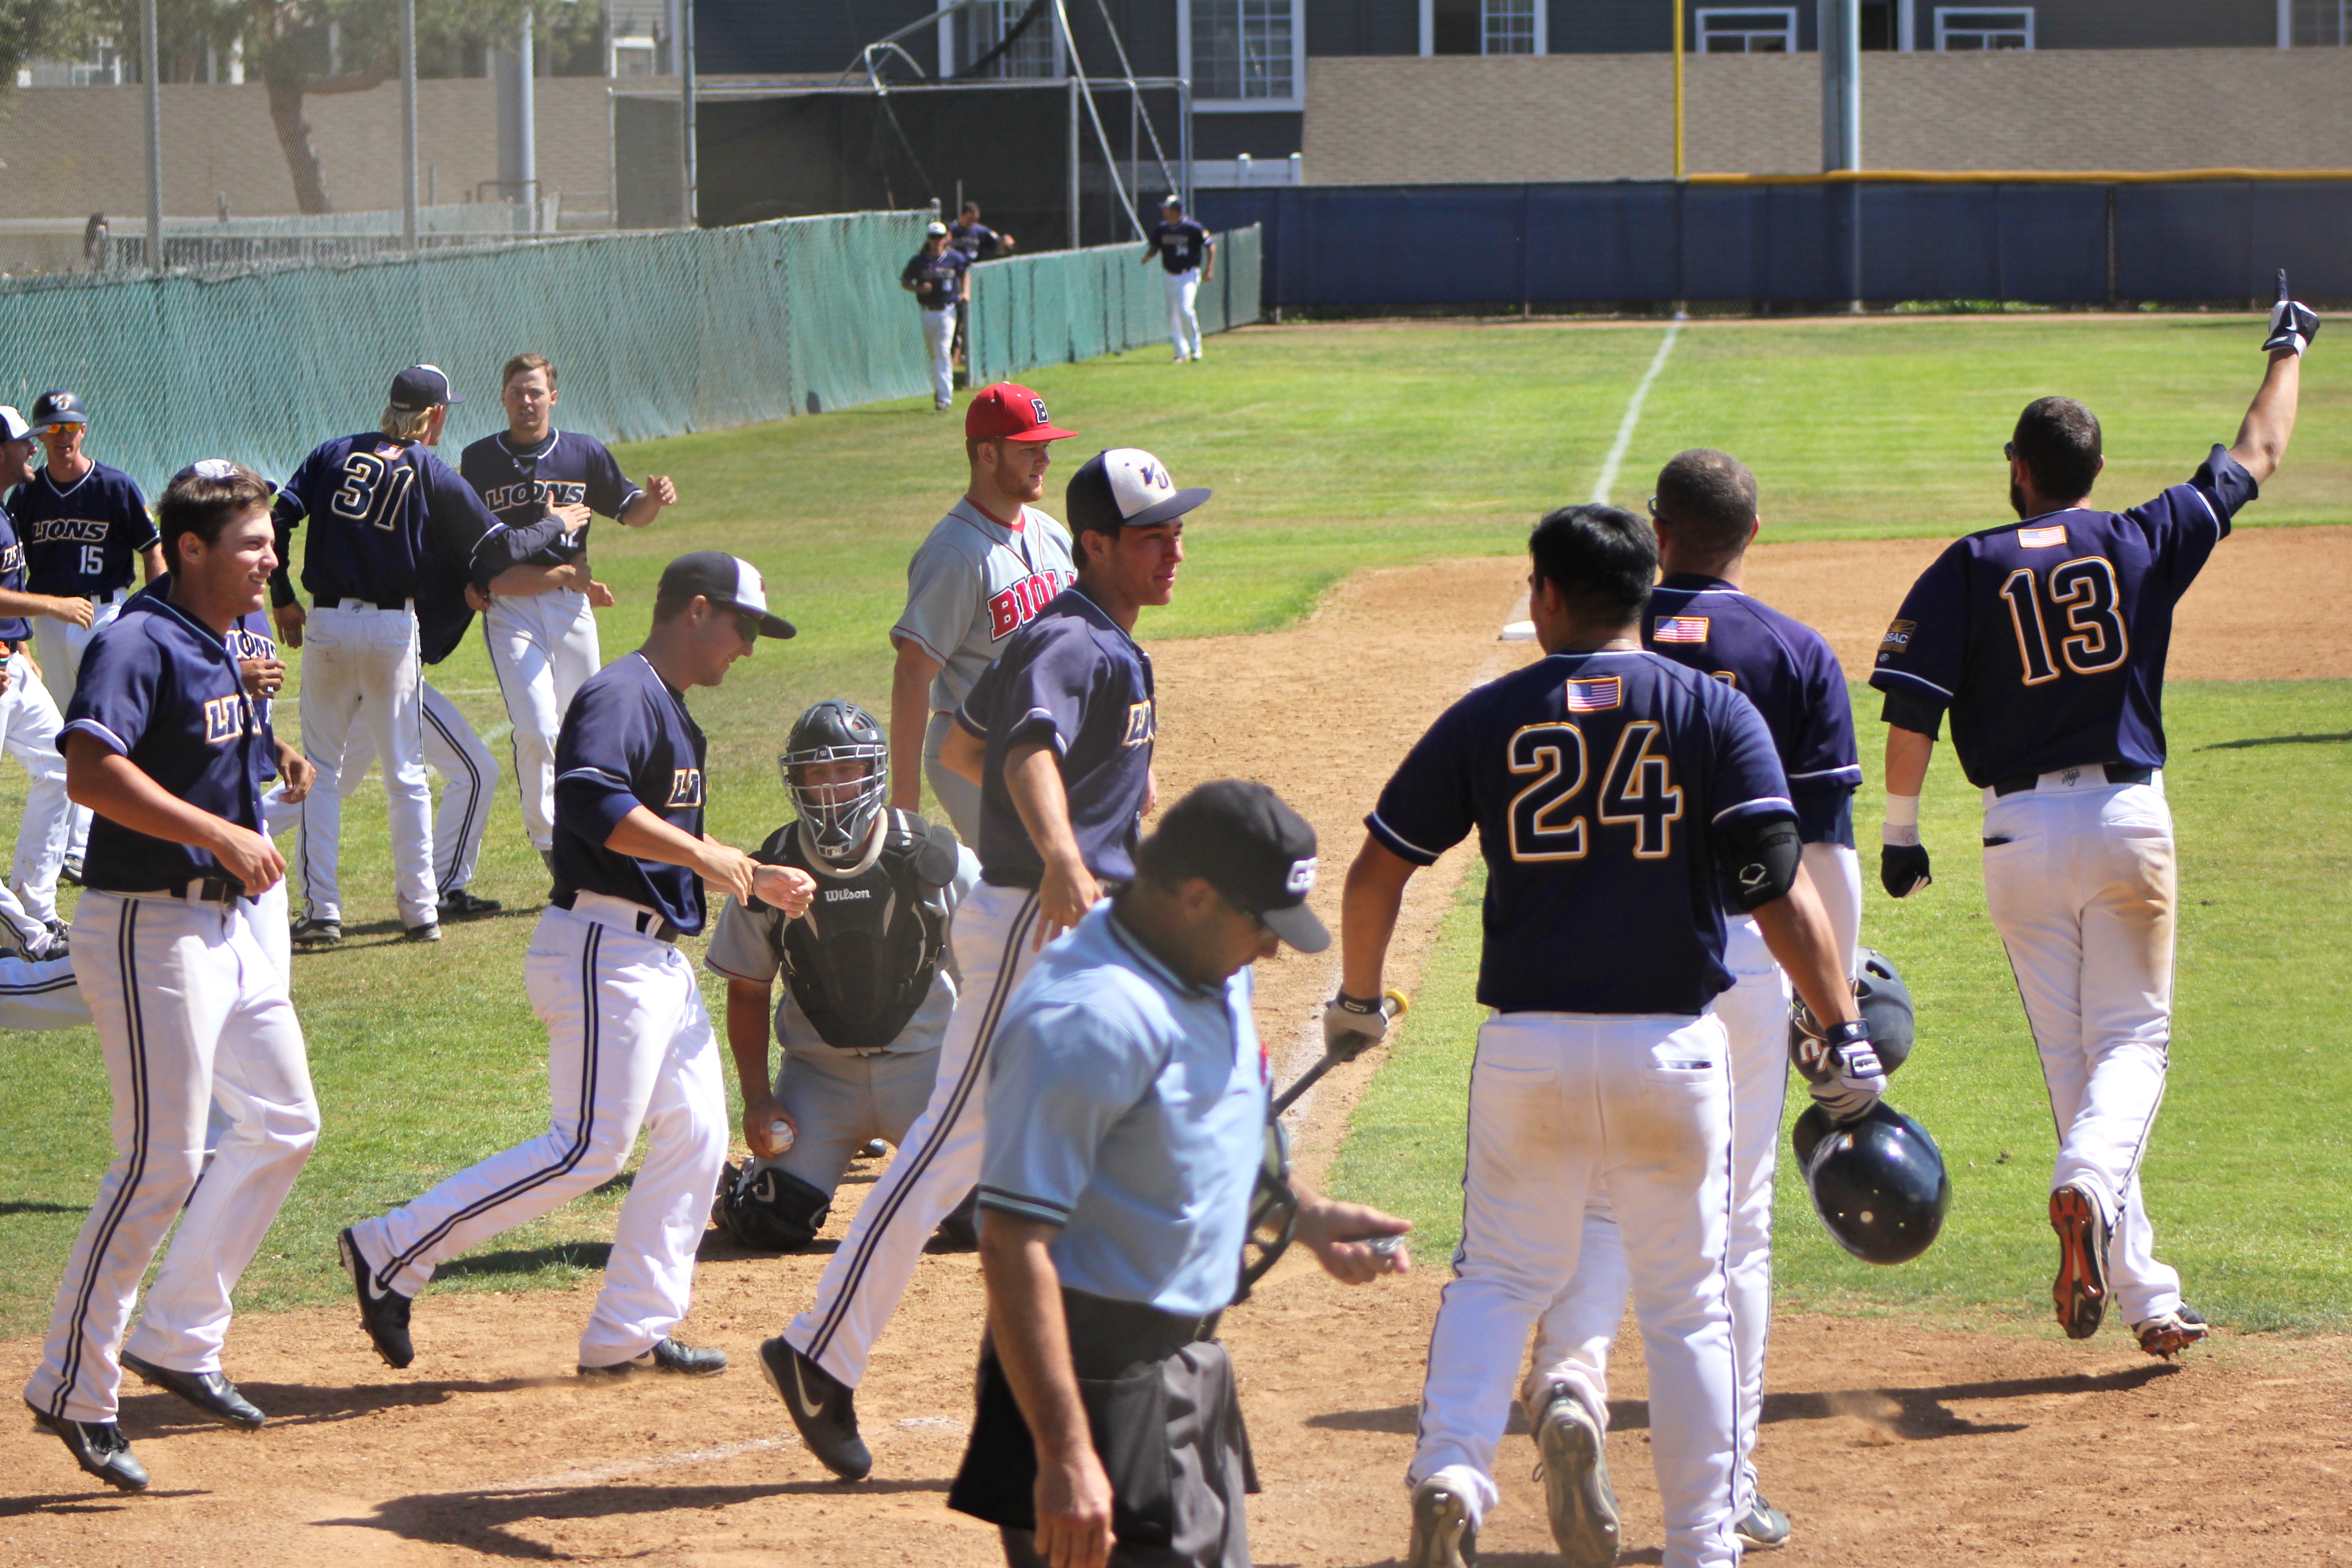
<point>1127,1107</point>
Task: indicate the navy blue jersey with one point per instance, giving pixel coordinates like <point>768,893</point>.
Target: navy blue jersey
<point>943,272</point>
<point>2046,640</point>
<point>519,483</point>
<point>627,740</point>
<point>974,239</point>
<point>380,512</point>
<point>160,688</point>
<point>13,628</point>
<point>1073,681</point>
<point>82,540</point>
<point>1786,669</point>
<point>1597,783</point>
<point>1182,246</point>
<point>251,637</point>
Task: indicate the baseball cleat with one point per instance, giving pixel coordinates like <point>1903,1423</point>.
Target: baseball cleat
<point>823,1407</point>
<point>1442,1535</point>
<point>457,904</point>
<point>2081,1290</point>
<point>383,1311</point>
<point>429,932</point>
<point>1574,1464</point>
<point>210,1391</point>
<point>312,932</point>
<point>2173,1332</point>
<point>667,1356</point>
<point>1762,1527</point>
<point>69,876</point>
<point>874,1149</point>
<point>48,945</point>
<point>99,1448</point>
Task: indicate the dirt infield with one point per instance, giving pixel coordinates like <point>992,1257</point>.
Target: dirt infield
<point>1883,1436</point>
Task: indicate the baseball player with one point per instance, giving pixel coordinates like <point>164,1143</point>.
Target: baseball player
<point>868,991</point>
<point>1704,516</point>
<point>984,571</point>
<point>1189,257</point>
<point>1058,735</point>
<point>1616,795</point>
<point>629,1045</point>
<point>542,628</point>
<point>385,516</point>
<point>164,744</point>
<point>2044,640</point>
<point>976,240</point>
<point>935,276</point>
<point>29,722</point>
<point>1127,1130</point>
<point>82,525</point>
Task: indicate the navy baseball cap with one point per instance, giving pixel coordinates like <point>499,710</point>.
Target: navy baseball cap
<point>729,583</point>
<point>1255,851</point>
<point>54,408</point>
<point>1124,487</point>
<point>422,386</point>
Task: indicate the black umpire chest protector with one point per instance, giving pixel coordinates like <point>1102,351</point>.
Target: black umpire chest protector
<point>864,957</point>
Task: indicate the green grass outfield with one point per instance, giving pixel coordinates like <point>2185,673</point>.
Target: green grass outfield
<point>1331,449</point>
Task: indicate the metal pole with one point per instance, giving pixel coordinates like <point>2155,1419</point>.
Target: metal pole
<point>685,91</point>
<point>1185,138</point>
<point>1075,144</point>
<point>154,139</point>
<point>1678,88</point>
<point>527,145</point>
<point>408,123</point>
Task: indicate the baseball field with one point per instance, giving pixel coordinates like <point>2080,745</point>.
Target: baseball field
<point>1375,483</point>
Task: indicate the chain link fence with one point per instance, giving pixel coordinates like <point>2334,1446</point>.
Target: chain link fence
<point>234,243</point>
<point>1068,305</point>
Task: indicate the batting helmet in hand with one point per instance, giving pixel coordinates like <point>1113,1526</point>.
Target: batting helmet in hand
<point>1878,1183</point>
<point>1884,1003</point>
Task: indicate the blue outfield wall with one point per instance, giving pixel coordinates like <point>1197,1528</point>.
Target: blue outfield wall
<point>1795,243</point>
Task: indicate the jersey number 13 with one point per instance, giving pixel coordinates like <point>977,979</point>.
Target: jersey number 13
<point>2081,598</point>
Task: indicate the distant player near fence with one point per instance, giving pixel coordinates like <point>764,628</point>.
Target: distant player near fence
<point>935,276</point>
<point>1189,257</point>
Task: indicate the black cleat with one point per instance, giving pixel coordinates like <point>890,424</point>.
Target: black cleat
<point>667,1356</point>
<point>99,1448</point>
<point>429,932</point>
<point>2079,1291</point>
<point>457,904</point>
<point>383,1311</point>
<point>69,876</point>
<point>822,1407</point>
<point>1442,1535</point>
<point>1574,1465</point>
<point>312,932</point>
<point>210,1391</point>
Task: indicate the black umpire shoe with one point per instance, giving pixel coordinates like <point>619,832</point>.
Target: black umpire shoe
<point>667,1356</point>
<point>312,932</point>
<point>97,1447</point>
<point>383,1311</point>
<point>210,1391</point>
<point>457,904</point>
<point>823,1406</point>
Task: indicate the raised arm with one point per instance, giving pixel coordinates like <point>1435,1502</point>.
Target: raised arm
<point>2270,420</point>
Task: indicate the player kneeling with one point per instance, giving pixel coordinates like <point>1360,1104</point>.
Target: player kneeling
<point>866,992</point>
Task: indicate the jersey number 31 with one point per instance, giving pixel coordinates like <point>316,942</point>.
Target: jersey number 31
<point>2083,594</point>
<point>1637,791</point>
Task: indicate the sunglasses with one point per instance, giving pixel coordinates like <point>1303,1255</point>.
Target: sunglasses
<point>2008,451</point>
<point>747,626</point>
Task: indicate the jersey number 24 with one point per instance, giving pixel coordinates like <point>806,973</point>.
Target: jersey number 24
<point>1637,791</point>
<point>2081,595</point>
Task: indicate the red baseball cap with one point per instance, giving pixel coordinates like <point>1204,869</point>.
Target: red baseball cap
<point>1006,411</point>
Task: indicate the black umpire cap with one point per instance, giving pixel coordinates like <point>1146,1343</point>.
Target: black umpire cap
<point>728,581</point>
<point>422,386</point>
<point>1255,851</point>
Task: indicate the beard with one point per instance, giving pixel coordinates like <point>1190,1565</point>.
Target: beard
<point>2017,498</point>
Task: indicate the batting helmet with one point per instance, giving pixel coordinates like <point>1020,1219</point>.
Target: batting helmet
<point>838,818</point>
<point>1879,1183</point>
<point>59,407</point>
<point>1885,1004</point>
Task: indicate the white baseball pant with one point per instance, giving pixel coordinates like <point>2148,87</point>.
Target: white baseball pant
<point>191,1011</point>
<point>1561,1104</point>
<point>361,667</point>
<point>938,336</point>
<point>1183,325</point>
<point>628,1047</point>
<point>959,797</point>
<point>60,645</point>
<point>470,782</point>
<point>542,648</point>
<point>993,934</point>
<point>2083,888</point>
<point>29,722</point>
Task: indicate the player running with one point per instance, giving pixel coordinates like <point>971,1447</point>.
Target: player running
<point>1705,517</point>
<point>984,571</point>
<point>83,525</point>
<point>866,991</point>
<point>165,744</point>
<point>29,722</point>
<point>542,628</point>
<point>1616,795</point>
<point>2045,639</point>
<point>1058,736</point>
<point>1189,257</point>
<point>629,1045</point>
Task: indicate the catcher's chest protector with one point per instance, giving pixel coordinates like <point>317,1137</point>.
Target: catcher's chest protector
<point>862,959</point>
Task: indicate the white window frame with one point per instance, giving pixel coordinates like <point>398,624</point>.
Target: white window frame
<point>1950,19</point>
<point>1428,19</point>
<point>950,62</point>
<point>1788,14</point>
<point>1294,104</point>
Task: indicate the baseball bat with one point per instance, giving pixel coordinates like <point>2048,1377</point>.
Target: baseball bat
<point>2284,295</point>
<point>1394,1003</point>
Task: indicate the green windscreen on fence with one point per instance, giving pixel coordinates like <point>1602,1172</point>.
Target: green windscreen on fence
<point>651,334</point>
<point>1067,305</point>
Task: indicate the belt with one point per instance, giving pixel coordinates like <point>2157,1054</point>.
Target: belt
<point>1109,1336</point>
<point>222,890</point>
<point>2117,773</point>
<point>329,602</point>
<point>621,914</point>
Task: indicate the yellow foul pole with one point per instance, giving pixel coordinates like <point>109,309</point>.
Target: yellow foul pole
<point>1678,88</point>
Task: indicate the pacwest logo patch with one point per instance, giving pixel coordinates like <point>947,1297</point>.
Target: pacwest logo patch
<point>1019,604</point>
<point>1898,636</point>
<point>685,786</point>
<point>1139,725</point>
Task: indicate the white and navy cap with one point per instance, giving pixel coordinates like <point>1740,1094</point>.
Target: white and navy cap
<point>422,386</point>
<point>728,582</point>
<point>936,230</point>
<point>12,424</point>
<point>1124,487</point>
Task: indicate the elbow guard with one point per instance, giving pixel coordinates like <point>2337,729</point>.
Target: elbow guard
<point>1763,854</point>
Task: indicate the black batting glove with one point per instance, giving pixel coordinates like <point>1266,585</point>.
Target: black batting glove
<point>1903,869</point>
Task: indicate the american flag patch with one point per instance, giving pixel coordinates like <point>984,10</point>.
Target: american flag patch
<point>1681,628</point>
<point>2051,538</point>
<point>1594,696</point>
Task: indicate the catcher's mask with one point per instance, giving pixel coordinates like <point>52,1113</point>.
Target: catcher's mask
<point>838,817</point>
<point>1273,1211</point>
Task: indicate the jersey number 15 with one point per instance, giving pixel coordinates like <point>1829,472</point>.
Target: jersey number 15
<point>1637,791</point>
<point>2081,596</point>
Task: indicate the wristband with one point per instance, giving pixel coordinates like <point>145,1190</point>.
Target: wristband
<point>1854,1031</point>
<point>1901,827</point>
<point>1351,1004</point>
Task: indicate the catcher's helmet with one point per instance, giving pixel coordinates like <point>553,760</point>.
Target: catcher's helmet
<point>838,818</point>
<point>1885,1004</point>
<point>1879,1183</point>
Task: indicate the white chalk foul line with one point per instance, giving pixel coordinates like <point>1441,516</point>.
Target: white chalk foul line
<point>1625,426</point>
